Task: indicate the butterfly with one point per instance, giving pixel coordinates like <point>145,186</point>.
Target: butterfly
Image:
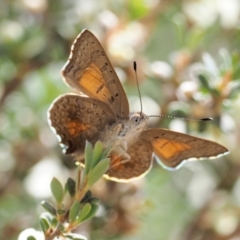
<point>101,112</point>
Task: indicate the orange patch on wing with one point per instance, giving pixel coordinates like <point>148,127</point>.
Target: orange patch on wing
<point>75,127</point>
<point>115,161</point>
<point>167,148</point>
<point>91,77</point>
<point>93,83</point>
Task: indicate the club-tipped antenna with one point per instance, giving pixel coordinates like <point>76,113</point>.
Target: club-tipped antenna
<point>165,116</point>
<point>182,118</point>
<point>139,93</point>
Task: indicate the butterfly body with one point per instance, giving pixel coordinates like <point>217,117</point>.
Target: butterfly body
<point>104,115</point>
<point>123,134</point>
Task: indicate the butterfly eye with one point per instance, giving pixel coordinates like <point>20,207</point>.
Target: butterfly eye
<point>135,119</point>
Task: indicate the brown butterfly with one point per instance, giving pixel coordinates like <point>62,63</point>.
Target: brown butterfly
<point>104,115</point>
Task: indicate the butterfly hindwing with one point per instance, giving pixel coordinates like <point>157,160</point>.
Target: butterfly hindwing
<point>76,119</point>
<point>139,164</point>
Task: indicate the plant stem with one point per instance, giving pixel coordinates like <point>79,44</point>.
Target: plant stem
<point>81,193</point>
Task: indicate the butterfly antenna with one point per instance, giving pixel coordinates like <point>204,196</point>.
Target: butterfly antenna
<point>187,119</point>
<point>139,93</point>
<point>164,116</point>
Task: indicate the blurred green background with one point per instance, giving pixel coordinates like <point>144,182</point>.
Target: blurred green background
<point>188,66</point>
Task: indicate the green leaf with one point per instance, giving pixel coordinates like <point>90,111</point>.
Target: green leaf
<point>54,222</point>
<point>57,190</point>
<point>62,228</point>
<point>94,200</point>
<point>205,84</point>
<point>74,211</point>
<point>87,196</point>
<point>106,151</point>
<point>88,157</point>
<point>98,171</point>
<point>84,212</point>
<point>45,224</point>
<point>71,186</point>
<point>204,81</point>
<point>31,238</point>
<point>97,154</point>
<point>138,8</point>
<point>61,212</point>
<point>48,207</point>
<point>94,208</point>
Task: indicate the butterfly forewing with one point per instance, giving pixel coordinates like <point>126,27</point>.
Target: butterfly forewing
<point>76,119</point>
<point>90,71</point>
<point>172,148</point>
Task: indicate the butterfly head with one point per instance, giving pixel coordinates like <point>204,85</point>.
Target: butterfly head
<point>139,119</point>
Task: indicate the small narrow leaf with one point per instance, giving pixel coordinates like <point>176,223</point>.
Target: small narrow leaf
<point>94,208</point>
<point>98,171</point>
<point>206,86</point>
<point>94,200</point>
<point>57,190</point>
<point>31,238</point>
<point>88,156</point>
<point>84,212</point>
<point>44,223</point>
<point>71,186</point>
<point>106,151</point>
<point>87,196</point>
<point>97,154</point>
<point>61,211</point>
<point>48,207</point>
<point>74,211</point>
<point>54,222</point>
<point>62,228</point>
<point>204,82</point>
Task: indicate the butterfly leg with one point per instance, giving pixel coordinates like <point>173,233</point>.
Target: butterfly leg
<point>110,138</point>
<point>116,162</point>
<point>122,150</point>
<point>122,155</point>
<point>119,146</point>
